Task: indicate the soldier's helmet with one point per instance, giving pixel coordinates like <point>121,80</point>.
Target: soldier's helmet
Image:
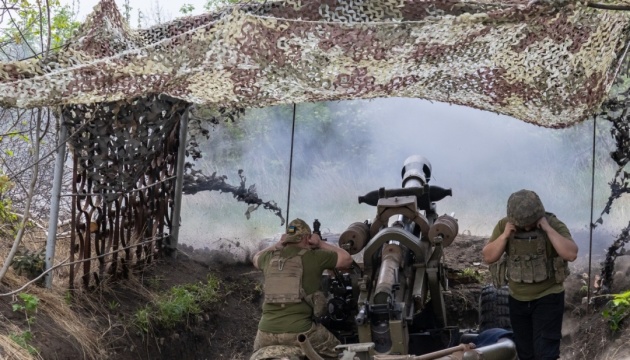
<point>296,229</point>
<point>524,208</point>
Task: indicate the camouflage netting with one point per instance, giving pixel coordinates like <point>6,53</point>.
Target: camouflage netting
<point>545,62</point>
<point>123,184</point>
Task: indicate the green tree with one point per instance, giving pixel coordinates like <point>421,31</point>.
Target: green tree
<point>187,9</point>
<point>213,5</point>
<point>127,11</point>
<point>32,29</point>
<point>36,28</point>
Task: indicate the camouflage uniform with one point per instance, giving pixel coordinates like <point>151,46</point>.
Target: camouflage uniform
<point>322,340</point>
<point>282,321</point>
<point>536,300</point>
<point>281,352</point>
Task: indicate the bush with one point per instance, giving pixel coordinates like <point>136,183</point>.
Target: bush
<point>617,310</point>
<point>177,305</point>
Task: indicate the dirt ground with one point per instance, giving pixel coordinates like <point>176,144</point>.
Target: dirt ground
<point>226,329</point>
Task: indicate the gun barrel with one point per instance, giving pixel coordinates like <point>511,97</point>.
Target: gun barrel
<point>388,274</point>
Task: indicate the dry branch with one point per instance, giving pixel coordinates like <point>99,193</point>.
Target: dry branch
<point>195,182</point>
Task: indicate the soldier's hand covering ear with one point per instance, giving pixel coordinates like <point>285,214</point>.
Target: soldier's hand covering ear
<point>543,224</point>
<point>282,242</point>
<point>314,241</point>
<point>509,229</point>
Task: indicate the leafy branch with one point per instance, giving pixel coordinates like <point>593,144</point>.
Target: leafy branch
<point>28,306</point>
<point>617,310</point>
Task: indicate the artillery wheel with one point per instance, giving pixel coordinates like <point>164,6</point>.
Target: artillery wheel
<point>494,311</point>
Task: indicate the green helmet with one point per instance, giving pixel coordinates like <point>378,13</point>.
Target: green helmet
<point>524,208</point>
<point>296,229</point>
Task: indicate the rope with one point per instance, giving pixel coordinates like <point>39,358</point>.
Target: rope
<point>66,263</point>
<point>291,165</point>
<point>122,193</point>
<point>608,6</point>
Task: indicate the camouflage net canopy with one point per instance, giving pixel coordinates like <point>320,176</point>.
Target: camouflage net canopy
<point>551,63</point>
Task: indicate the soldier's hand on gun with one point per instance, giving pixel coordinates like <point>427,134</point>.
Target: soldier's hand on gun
<point>314,241</point>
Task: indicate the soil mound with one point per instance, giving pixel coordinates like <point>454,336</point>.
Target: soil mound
<point>106,318</point>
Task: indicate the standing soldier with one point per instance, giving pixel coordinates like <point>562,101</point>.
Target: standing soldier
<point>537,247</point>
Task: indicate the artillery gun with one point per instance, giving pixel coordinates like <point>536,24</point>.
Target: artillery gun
<point>395,299</point>
<point>391,306</point>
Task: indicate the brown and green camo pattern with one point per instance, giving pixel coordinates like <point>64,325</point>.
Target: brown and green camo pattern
<point>546,62</point>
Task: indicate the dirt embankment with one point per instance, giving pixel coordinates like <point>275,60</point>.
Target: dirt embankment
<point>99,325</point>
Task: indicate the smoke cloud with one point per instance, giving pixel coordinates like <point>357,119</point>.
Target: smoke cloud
<point>346,149</point>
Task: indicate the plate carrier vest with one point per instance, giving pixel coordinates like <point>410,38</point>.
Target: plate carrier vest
<point>528,261</point>
<point>283,279</point>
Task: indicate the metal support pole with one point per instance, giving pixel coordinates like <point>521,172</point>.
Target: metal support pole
<point>179,182</point>
<point>54,203</point>
<point>590,227</point>
<point>290,166</point>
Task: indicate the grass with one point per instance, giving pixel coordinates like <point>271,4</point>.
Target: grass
<point>113,305</point>
<point>12,349</point>
<point>24,339</point>
<point>472,274</point>
<point>142,319</point>
<point>52,305</point>
<point>154,282</point>
<point>176,306</point>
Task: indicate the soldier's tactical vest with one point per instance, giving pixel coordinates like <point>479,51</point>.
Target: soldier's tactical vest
<point>529,262</point>
<point>283,279</point>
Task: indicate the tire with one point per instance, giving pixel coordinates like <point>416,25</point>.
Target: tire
<point>494,311</point>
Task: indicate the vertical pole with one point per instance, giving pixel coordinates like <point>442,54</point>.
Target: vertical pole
<point>291,166</point>
<point>590,227</point>
<point>179,182</point>
<point>54,203</point>
<point>73,211</point>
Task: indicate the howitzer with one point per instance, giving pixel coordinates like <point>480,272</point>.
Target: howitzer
<point>398,303</point>
<point>395,303</point>
<point>391,306</point>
